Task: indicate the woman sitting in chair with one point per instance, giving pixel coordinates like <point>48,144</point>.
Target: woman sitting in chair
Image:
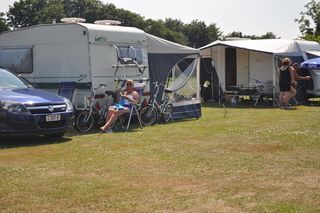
<point>127,98</point>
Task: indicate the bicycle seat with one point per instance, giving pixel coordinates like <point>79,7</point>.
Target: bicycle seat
<point>168,91</point>
<point>109,92</point>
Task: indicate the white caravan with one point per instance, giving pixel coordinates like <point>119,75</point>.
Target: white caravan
<point>75,52</point>
<point>90,54</point>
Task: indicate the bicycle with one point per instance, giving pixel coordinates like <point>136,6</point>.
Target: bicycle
<point>154,111</point>
<point>93,116</point>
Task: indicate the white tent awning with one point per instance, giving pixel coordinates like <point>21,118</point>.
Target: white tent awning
<point>272,46</point>
<point>317,53</point>
<point>159,45</point>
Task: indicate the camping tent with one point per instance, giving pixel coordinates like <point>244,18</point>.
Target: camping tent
<point>314,66</point>
<point>163,55</point>
<point>243,62</point>
<point>179,65</point>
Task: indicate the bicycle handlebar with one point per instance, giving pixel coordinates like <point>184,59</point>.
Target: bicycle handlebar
<point>156,84</point>
<point>102,85</point>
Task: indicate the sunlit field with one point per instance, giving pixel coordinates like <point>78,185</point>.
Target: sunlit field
<point>233,160</point>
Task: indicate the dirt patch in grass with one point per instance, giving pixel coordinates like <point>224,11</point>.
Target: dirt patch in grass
<point>267,148</point>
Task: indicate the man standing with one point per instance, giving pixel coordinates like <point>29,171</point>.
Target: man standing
<point>295,67</point>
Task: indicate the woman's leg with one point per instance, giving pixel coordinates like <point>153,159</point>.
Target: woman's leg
<point>281,98</point>
<point>293,92</point>
<point>115,116</point>
<point>112,117</point>
<point>287,97</point>
<point>111,112</point>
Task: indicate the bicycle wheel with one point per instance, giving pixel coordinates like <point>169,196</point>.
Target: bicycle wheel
<point>84,121</point>
<point>166,115</point>
<point>102,115</point>
<point>148,115</point>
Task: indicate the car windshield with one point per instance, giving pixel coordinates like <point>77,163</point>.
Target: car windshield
<point>10,81</point>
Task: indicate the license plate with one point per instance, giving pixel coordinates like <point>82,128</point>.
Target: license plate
<point>53,118</point>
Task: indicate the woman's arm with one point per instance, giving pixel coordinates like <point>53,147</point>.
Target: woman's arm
<point>292,74</point>
<point>135,97</point>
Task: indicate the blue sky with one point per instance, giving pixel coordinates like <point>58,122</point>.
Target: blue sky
<point>251,17</point>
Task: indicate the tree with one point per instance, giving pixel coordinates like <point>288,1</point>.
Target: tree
<point>268,35</point>
<point>31,12</point>
<point>87,9</point>
<point>175,31</point>
<point>3,24</point>
<point>199,34</point>
<point>54,10</point>
<point>214,32</point>
<point>174,25</point>
<point>25,13</point>
<point>308,18</point>
<point>156,28</point>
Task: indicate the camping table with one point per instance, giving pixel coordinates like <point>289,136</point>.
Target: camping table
<point>254,92</point>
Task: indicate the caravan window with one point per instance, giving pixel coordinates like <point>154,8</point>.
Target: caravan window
<point>18,60</point>
<point>130,55</point>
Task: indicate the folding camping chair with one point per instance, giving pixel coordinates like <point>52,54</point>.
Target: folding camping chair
<point>66,89</point>
<point>135,108</point>
<point>133,112</point>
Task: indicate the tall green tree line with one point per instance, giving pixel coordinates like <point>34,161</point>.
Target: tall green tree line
<point>25,13</point>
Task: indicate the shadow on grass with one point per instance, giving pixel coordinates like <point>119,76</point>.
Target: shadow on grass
<point>312,104</point>
<point>134,127</point>
<point>245,105</point>
<point>7,142</point>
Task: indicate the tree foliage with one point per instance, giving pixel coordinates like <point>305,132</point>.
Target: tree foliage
<point>3,24</point>
<point>25,13</point>
<point>234,34</point>
<point>268,35</point>
<point>309,21</point>
<point>199,34</point>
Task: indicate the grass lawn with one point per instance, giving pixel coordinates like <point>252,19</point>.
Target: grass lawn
<point>251,160</point>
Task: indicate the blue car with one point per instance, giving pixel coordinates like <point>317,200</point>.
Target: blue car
<point>28,111</point>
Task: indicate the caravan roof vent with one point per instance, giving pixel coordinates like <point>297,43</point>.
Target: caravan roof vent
<point>108,22</point>
<point>73,20</point>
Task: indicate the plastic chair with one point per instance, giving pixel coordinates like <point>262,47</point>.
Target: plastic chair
<point>66,89</point>
<point>133,112</point>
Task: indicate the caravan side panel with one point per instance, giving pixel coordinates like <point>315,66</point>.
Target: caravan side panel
<point>102,58</point>
<point>60,52</point>
<point>104,43</point>
<point>60,62</point>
